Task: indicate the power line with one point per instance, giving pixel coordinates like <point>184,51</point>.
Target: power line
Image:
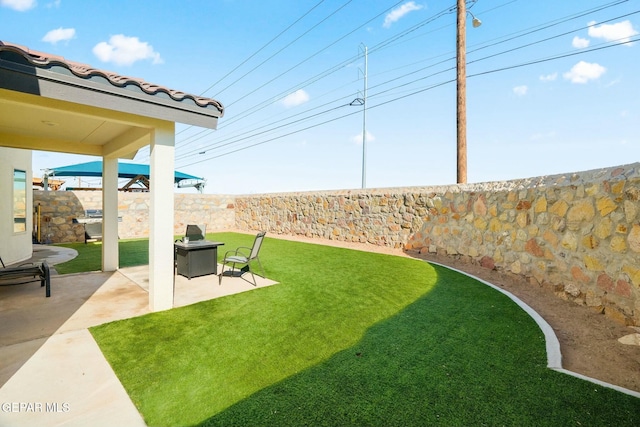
<point>416,93</point>
<point>546,26</point>
<point>386,43</point>
<point>260,50</point>
<point>553,58</point>
<point>322,75</point>
<point>285,47</point>
<point>551,38</point>
<point>254,54</point>
<point>257,131</point>
<point>382,45</point>
<point>275,138</point>
<point>317,53</point>
<point>310,57</point>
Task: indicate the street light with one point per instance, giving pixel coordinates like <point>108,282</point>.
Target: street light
<point>475,21</point>
<point>461,78</point>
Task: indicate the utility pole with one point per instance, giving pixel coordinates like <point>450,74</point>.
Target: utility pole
<point>363,101</point>
<point>461,110</point>
<point>364,121</point>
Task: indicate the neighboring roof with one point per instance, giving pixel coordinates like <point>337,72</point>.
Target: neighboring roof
<point>125,170</point>
<point>39,73</point>
<point>53,184</point>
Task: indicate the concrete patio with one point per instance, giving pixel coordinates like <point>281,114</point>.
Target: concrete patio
<point>52,371</point>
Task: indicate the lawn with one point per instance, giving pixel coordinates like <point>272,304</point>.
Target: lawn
<point>132,252</point>
<point>350,338</point>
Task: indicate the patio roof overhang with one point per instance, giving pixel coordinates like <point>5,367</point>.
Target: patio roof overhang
<point>51,104</point>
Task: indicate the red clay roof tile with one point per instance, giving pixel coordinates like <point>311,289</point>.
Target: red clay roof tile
<point>41,59</point>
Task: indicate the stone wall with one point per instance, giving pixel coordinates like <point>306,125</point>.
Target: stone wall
<point>59,209</point>
<point>379,217</point>
<point>578,234</point>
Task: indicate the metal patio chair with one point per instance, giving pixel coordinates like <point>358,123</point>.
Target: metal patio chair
<point>196,232</point>
<point>244,256</point>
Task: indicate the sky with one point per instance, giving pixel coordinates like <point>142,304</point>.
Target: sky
<point>552,86</point>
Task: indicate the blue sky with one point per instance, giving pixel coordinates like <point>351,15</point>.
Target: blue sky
<point>553,86</point>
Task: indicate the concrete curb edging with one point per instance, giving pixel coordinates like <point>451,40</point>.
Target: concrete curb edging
<point>554,356</point>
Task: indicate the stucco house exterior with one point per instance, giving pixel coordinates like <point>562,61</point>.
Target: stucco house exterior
<point>51,104</point>
<point>16,221</point>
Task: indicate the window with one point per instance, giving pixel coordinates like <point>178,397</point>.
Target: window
<point>19,201</point>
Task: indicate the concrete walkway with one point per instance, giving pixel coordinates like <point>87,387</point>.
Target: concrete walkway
<point>52,372</point>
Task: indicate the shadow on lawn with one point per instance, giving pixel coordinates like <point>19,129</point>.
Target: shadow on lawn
<point>463,354</point>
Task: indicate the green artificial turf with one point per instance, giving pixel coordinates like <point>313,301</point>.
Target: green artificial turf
<point>350,338</point>
<point>131,252</point>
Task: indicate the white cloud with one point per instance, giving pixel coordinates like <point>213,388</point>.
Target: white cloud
<point>358,138</point>
<point>549,77</point>
<point>399,12</point>
<point>60,34</point>
<point>613,82</point>
<point>582,72</point>
<point>620,31</point>
<point>123,50</point>
<point>54,3</point>
<point>296,98</point>
<point>19,5</point>
<point>579,43</point>
<point>520,90</point>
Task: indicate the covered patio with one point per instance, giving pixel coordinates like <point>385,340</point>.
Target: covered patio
<point>50,356</point>
<point>48,103</point>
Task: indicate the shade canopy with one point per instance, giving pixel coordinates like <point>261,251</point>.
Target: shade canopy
<point>125,170</point>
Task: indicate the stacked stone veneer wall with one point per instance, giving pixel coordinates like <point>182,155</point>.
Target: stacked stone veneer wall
<point>578,234</point>
<point>59,209</point>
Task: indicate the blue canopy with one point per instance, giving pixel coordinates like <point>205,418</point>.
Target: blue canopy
<point>125,170</point>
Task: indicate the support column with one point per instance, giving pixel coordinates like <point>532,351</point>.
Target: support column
<point>161,218</point>
<point>110,257</point>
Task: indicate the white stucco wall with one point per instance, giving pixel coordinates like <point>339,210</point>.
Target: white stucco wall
<point>14,247</point>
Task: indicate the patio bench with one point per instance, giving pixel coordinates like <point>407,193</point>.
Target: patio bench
<point>27,273</point>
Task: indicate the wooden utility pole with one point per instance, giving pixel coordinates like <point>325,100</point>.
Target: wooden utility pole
<point>461,110</point>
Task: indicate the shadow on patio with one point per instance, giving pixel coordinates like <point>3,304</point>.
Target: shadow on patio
<point>79,301</point>
<point>48,355</point>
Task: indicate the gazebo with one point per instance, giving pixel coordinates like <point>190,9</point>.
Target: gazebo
<point>135,173</point>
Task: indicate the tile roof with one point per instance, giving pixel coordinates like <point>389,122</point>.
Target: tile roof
<point>45,60</point>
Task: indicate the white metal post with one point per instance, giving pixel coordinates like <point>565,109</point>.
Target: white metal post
<point>364,121</point>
